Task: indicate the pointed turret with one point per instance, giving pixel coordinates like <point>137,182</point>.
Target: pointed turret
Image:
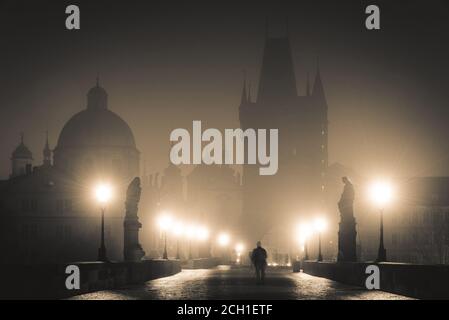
<point>249,92</point>
<point>318,89</point>
<point>47,152</point>
<point>21,159</point>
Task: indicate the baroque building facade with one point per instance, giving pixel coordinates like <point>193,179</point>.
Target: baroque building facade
<point>48,212</point>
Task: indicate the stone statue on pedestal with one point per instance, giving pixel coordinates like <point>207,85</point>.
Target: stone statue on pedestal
<point>347,233</point>
<point>132,249</point>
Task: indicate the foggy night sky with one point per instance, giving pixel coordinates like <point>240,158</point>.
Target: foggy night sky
<point>165,64</point>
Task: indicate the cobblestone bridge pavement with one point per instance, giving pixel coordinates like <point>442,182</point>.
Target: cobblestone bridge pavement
<point>228,283</point>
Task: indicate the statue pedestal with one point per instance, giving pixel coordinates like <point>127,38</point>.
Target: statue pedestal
<point>132,250</point>
<point>347,241</point>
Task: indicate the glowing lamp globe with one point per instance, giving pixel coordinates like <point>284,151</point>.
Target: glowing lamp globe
<point>103,193</point>
<point>165,222</point>
<point>320,224</point>
<point>381,193</point>
<point>223,239</point>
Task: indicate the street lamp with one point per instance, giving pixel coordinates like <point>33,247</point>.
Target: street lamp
<point>320,225</point>
<point>178,230</point>
<point>164,223</point>
<point>223,239</point>
<point>239,249</point>
<point>202,233</point>
<point>103,193</point>
<point>190,233</point>
<point>381,194</point>
<point>305,231</point>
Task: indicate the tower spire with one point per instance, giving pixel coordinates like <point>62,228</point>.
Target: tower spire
<point>46,138</point>
<point>47,151</point>
<point>249,92</point>
<point>244,99</point>
<point>318,90</point>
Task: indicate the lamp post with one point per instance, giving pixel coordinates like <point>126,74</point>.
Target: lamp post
<point>223,240</point>
<point>320,226</point>
<point>190,233</point>
<point>103,193</point>
<point>382,252</point>
<point>381,194</point>
<point>202,235</point>
<point>239,249</point>
<point>305,231</point>
<point>306,250</point>
<point>178,231</point>
<point>164,223</point>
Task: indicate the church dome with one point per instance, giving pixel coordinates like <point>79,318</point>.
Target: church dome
<point>96,126</point>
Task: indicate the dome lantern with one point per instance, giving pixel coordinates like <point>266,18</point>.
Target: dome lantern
<point>97,97</point>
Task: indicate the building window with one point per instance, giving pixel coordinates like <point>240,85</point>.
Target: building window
<point>446,239</point>
<point>59,206</point>
<point>68,205</point>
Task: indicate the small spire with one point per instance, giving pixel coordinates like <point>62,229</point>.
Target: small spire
<point>249,92</point>
<point>47,145</point>
<point>318,89</point>
<point>244,95</point>
<point>47,151</point>
<point>21,137</point>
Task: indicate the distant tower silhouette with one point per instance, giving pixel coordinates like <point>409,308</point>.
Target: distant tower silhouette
<point>47,152</point>
<point>319,98</point>
<point>299,184</point>
<point>21,159</point>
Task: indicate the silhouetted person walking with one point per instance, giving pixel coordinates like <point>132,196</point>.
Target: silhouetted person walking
<point>259,260</point>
